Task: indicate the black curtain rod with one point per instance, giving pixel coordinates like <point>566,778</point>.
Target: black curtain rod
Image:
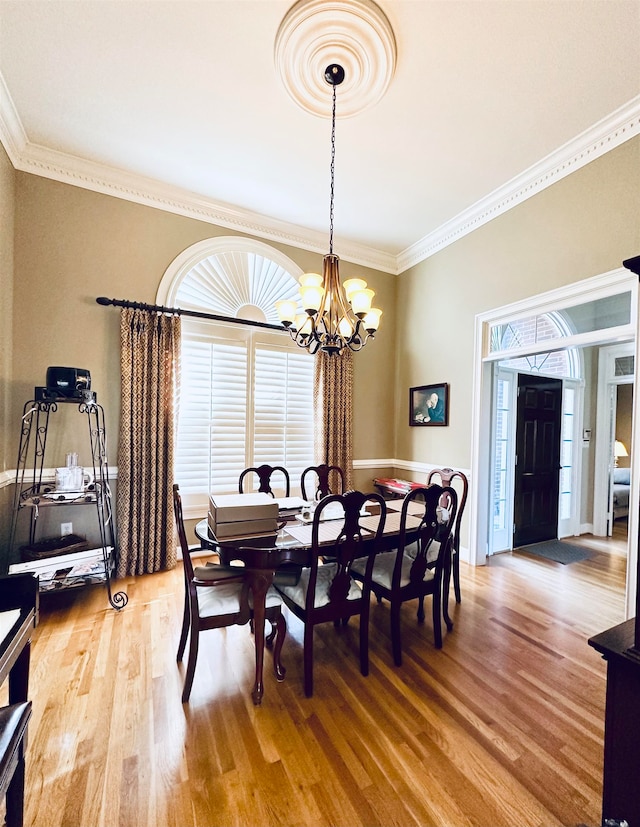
<point>178,311</point>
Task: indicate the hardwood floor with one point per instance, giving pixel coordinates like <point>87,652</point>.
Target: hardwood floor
<point>502,726</point>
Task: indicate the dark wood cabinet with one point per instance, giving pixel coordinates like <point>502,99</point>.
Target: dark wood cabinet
<point>621,780</point>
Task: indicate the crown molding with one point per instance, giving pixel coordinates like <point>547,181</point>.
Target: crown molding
<point>618,127</point>
<point>613,130</point>
<point>12,134</point>
<point>69,169</point>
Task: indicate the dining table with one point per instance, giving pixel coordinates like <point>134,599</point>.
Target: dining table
<point>290,547</point>
<point>19,611</point>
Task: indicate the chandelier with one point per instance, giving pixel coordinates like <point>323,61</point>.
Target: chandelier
<point>335,315</point>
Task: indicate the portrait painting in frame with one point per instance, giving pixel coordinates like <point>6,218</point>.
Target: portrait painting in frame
<point>429,405</point>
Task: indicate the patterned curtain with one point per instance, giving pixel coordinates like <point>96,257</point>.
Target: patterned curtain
<point>150,368</point>
<point>333,410</point>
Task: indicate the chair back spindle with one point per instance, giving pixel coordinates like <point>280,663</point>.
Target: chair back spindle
<point>329,479</point>
<point>265,474</point>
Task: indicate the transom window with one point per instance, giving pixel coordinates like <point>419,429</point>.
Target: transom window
<point>545,327</point>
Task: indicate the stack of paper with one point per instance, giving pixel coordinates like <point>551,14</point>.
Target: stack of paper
<point>290,505</point>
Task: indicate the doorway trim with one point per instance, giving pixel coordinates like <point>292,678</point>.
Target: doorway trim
<point>601,286</point>
<point>605,428</point>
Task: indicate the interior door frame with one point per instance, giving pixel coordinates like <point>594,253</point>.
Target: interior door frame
<point>605,430</point>
<point>606,284</point>
<point>501,539</point>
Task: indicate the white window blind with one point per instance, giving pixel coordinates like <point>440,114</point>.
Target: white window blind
<point>243,402</point>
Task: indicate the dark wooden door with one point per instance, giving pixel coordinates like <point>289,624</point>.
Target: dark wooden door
<point>537,477</point>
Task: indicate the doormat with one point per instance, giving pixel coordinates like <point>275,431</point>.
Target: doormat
<point>557,550</point>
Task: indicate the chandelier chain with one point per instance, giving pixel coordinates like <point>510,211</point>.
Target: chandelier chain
<point>333,166</point>
<point>335,316</point>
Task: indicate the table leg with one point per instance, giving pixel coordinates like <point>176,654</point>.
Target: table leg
<point>19,676</point>
<point>259,582</point>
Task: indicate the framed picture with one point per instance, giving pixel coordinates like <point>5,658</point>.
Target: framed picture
<point>429,405</point>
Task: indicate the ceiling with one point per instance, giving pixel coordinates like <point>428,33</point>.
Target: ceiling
<point>179,104</point>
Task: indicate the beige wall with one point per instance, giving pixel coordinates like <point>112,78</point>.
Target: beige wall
<point>7,209</point>
<point>7,202</point>
<point>584,225</point>
<point>73,245</point>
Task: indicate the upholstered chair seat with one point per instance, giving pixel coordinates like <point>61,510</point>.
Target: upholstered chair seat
<point>385,563</point>
<point>225,599</point>
<point>298,593</point>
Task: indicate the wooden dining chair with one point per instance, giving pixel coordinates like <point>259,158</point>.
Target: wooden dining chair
<point>447,475</point>
<point>425,524</point>
<point>218,596</point>
<point>321,476</point>
<point>265,472</point>
<point>326,592</point>
<point>14,720</point>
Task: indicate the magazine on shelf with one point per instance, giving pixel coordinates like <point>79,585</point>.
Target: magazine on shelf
<point>59,561</point>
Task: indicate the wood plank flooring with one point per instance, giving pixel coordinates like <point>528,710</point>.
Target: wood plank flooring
<point>502,726</point>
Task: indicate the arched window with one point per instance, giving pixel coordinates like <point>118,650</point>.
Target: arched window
<point>246,392</point>
<point>545,327</point>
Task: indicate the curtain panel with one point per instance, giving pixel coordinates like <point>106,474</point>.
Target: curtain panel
<point>150,371</point>
<point>333,411</point>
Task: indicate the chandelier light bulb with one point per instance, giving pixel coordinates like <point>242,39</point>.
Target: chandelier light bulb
<point>351,285</point>
<point>310,280</point>
<point>303,324</point>
<point>311,298</point>
<point>361,302</point>
<point>372,320</point>
<point>346,328</point>
<point>287,309</point>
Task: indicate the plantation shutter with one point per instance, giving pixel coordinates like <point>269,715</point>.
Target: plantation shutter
<point>212,419</point>
<point>227,424</point>
<point>283,422</point>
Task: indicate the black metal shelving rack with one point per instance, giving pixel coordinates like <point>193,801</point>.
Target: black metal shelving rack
<point>30,488</point>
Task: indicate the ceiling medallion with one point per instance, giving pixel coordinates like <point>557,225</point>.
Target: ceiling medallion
<point>355,34</point>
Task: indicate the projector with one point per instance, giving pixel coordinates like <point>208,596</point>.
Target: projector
<point>70,383</point>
